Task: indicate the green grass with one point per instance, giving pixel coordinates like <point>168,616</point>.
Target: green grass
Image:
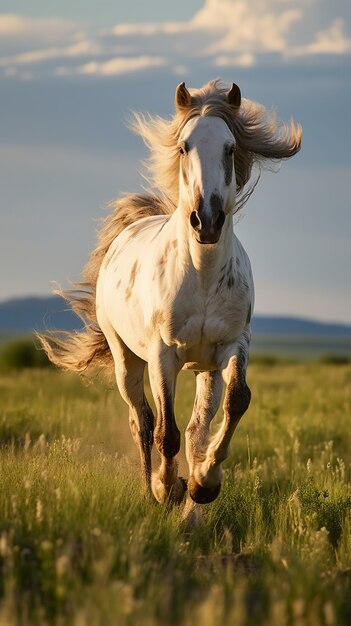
<point>81,546</point>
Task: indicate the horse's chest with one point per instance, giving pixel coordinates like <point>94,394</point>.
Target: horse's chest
<point>207,322</point>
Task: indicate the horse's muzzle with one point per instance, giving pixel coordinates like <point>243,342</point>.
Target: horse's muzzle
<point>208,228</point>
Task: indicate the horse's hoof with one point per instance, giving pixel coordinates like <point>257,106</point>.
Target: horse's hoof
<point>202,495</point>
<point>174,495</point>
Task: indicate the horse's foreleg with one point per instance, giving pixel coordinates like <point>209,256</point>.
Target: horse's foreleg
<point>205,483</point>
<point>208,396</point>
<point>129,369</point>
<point>163,371</point>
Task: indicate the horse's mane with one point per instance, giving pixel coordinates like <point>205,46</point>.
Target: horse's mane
<point>260,139</point>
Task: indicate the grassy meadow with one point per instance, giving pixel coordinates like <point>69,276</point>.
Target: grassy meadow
<point>80,545</point>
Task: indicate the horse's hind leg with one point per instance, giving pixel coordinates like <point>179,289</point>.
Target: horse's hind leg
<point>129,369</point>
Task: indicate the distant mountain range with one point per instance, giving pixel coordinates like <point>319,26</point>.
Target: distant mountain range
<point>24,315</point>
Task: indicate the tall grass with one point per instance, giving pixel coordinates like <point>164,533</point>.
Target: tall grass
<point>81,545</point>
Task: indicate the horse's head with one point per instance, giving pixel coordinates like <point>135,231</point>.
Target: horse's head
<point>207,184</point>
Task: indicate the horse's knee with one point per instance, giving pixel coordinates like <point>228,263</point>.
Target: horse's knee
<point>167,439</point>
<point>237,399</point>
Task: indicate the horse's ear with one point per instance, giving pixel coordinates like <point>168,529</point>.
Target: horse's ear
<point>182,97</point>
<point>234,96</point>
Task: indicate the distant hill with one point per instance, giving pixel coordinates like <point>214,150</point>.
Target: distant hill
<point>23,315</point>
<point>281,325</point>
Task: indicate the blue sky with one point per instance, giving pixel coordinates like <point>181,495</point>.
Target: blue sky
<point>70,73</point>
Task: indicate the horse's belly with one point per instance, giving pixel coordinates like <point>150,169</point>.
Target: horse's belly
<point>201,357</point>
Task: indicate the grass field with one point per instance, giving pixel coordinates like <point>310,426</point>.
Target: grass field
<point>80,545</point>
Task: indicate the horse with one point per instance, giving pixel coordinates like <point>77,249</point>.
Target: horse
<point>170,286</point>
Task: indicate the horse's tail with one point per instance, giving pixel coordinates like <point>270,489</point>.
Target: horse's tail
<point>77,350</point>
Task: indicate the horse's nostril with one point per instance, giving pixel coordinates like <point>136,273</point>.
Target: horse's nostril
<point>195,220</point>
<point>220,219</point>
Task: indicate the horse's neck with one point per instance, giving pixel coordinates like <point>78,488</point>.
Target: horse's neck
<point>208,261</point>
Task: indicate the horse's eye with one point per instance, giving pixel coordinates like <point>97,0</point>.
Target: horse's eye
<point>231,150</point>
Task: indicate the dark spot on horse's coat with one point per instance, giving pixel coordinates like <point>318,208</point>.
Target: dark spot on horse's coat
<point>167,439</point>
<point>230,277</point>
<point>118,284</point>
<point>133,274</point>
<point>238,394</point>
<point>227,161</point>
<point>157,318</point>
<point>141,344</point>
<point>220,283</point>
<point>248,318</point>
<point>166,435</point>
<point>237,260</point>
<point>174,243</point>
<point>163,258</point>
<point>237,400</point>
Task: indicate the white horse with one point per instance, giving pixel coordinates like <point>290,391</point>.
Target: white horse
<point>170,285</point>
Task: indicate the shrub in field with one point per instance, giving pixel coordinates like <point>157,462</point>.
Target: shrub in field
<point>22,353</point>
<point>264,359</point>
<point>335,359</point>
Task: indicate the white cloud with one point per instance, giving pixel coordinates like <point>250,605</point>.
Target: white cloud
<point>247,59</point>
<point>121,65</point>
<point>84,47</point>
<point>330,41</point>
<point>246,27</point>
<point>20,27</point>
<point>223,33</point>
<point>223,27</point>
